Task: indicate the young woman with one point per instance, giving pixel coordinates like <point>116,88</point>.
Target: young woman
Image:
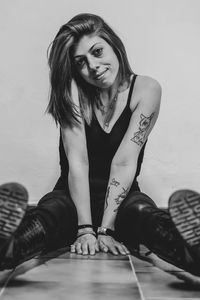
<point>105,113</point>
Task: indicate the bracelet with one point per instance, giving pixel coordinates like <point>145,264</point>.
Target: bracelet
<point>92,232</point>
<point>105,231</point>
<point>85,226</point>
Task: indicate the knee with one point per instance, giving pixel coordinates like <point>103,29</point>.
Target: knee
<point>57,198</point>
<point>132,209</point>
<point>137,201</point>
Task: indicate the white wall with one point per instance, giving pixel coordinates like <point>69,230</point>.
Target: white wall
<point>162,40</point>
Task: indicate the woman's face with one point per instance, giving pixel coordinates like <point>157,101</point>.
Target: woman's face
<point>96,61</point>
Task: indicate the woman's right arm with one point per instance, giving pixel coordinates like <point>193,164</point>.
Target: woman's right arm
<point>74,142</point>
<point>75,146</point>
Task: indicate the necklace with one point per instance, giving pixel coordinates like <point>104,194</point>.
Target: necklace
<point>110,112</point>
<point>107,111</point>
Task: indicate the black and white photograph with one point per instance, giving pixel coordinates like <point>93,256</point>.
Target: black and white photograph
<point>99,149</point>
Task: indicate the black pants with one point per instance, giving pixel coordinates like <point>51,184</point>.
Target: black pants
<point>58,214</point>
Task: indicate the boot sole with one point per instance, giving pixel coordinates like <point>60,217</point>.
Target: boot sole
<point>13,204</point>
<point>184,209</point>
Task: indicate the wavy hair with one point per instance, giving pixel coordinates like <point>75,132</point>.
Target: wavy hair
<point>63,69</point>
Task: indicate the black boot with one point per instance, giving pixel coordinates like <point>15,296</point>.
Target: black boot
<point>159,234</point>
<point>13,203</point>
<point>21,238</point>
<point>184,209</point>
<point>28,242</point>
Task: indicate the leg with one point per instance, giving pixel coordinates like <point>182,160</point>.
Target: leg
<point>50,225</point>
<point>57,213</point>
<point>140,221</point>
<point>129,220</point>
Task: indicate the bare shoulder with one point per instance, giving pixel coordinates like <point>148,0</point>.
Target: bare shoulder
<point>145,87</point>
<point>146,84</point>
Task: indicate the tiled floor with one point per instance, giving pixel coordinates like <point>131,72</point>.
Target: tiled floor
<point>103,276</point>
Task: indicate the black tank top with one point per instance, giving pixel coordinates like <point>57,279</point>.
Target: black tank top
<point>102,147</point>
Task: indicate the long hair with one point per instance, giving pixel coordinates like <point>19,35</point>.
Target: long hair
<point>63,70</point>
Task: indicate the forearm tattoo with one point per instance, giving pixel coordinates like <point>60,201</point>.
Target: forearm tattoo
<point>114,182</point>
<point>106,197</point>
<point>120,198</point>
<point>144,124</point>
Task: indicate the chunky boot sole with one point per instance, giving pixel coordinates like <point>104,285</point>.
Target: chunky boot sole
<point>184,209</point>
<point>13,204</point>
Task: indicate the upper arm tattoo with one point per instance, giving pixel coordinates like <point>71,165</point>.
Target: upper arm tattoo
<point>144,124</point>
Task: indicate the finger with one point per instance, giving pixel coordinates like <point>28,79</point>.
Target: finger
<point>96,247</point>
<point>103,247</point>
<point>113,249</point>
<point>85,249</point>
<point>78,248</point>
<point>126,249</point>
<point>92,249</point>
<point>121,249</point>
<point>72,248</point>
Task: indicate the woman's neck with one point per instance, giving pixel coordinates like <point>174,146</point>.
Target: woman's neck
<point>107,95</point>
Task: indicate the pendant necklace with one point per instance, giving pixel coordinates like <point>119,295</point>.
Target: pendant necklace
<point>108,113</point>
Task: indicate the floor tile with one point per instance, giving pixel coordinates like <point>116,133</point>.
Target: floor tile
<point>65,253</point>
<point>76,279</point>
<point>157,284</point>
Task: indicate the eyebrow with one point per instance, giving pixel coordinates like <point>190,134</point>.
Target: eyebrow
<point>77,56</point>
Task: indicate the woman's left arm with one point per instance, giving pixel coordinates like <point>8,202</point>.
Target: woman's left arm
<point>124,163</point>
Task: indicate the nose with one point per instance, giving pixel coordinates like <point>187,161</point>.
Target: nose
<point>93,64</point>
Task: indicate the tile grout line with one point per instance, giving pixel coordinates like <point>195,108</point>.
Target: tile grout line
<point>134,273</point>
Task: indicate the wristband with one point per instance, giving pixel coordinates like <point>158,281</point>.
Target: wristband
<point>92,233</point>
<point>105,231</point>
<point>85,226</point>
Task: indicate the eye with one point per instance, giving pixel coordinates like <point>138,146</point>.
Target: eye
<point>98,51</point>
<point>79,62</point>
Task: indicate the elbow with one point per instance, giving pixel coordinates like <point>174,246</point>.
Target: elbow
<point>78,165</point>
<point>124,164</point>
<point>78,159</point>
<point>124,160</point>
<point>120,163</point>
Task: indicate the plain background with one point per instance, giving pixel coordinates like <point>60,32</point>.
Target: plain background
<point>162,38</point>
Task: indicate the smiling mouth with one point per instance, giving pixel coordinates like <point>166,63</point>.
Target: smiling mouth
<point>99,76</point>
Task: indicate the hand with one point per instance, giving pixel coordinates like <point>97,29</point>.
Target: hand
<point>107,243</point>
<point>85,244</point>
